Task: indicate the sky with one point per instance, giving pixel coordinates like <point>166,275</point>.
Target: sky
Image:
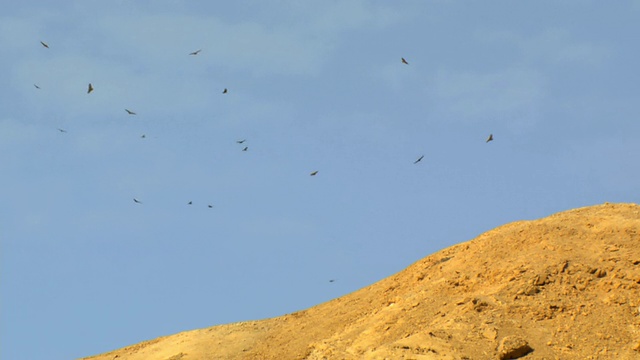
<point>312,86</point>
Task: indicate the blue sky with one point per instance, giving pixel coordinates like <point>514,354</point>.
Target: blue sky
<point>313,85</point>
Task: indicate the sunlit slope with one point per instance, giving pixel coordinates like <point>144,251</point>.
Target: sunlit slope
<point>565,286</point>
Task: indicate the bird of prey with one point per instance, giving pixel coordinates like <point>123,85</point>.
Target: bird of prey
<point>490,138</point>
<point>245,148</point>
<point>196,52</point>
<point>137,201</point>
<point>44,44</point>
<point>37,87</point>
<point>130,112</point>
<point>62,130</point>
<point>314,173</point>
<point>404,61</point>
<point>90,89</point>
<point>241,141</point>
<point>225,91</point>
<point>419,159</point>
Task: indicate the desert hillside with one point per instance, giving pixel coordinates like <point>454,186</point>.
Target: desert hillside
<point>563,287</point>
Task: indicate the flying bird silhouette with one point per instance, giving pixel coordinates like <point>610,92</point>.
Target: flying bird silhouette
<point>62,130</point>
<point>245,148</point>
<point>190,203</point>
<point>44,44</point>
<point>490,138</point>
<point>225,91</point>
<point>419,159</point>
<point>241,141</point>
<point>404,61</point>
<point>37,87</point>
<point>143,136</point>
<point>210,206</point>
<point>90,89</point>
<point>332,280</point>
<point>314,173</point>
<point>137,201</point>
<point>130,112</point>
<point>196,52</point>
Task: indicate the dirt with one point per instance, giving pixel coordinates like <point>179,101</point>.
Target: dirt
<point>563,287</point>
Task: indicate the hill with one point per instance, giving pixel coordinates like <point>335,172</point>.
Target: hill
<point>562,287</point>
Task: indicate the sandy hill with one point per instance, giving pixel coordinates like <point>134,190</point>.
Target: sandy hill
<point>562,287</point>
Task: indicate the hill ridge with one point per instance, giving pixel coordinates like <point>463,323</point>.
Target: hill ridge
<point>556,287</point>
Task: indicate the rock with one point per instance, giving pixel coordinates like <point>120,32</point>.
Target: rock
<point>513,347</point>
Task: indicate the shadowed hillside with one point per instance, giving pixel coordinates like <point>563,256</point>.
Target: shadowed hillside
<point>562,287</point>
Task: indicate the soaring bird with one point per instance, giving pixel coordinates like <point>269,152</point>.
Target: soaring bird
<point>90,89</point>
<point>195,52</point>
<point>245,148</point>
<point>225,91</point>
<point>241,141</point>
<point>314,173</point>
<point>419,159</point>
<point>37,87</point>
<point>490,138</point>
<point>210,206</point>
<point>404,61</point>
<point>143,136</point>
<point>332,280</point>
<point>137,201</point>
<point>130,112</point>
<point>44,44</point>
<point>62,130</point>
<point>190,203</point>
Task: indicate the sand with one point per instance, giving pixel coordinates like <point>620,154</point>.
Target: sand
<point>563,287</point>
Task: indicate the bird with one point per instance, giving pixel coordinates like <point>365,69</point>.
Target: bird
<point>490,138</point>
<point>314,173</point>
<point>44,44</point>
<point>404,61</point>
<point>332,280</point>
<point>190,203</point>
<point>195,52</point>
<point>130,112</point>
<point>143,136</point>
<point>241,141</point>
<point>37,87</point>
<point>90,89</point>
<point>210,206</point>
<point>225,91</point>
<point>419,159</point>
<point>62,130</point>
<point>137,201</point>
<point>245,148</point>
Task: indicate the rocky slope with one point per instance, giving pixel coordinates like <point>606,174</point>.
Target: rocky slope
<point>562,287</point>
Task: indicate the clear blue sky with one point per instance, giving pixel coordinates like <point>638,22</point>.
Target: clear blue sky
<point>312,85</point>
